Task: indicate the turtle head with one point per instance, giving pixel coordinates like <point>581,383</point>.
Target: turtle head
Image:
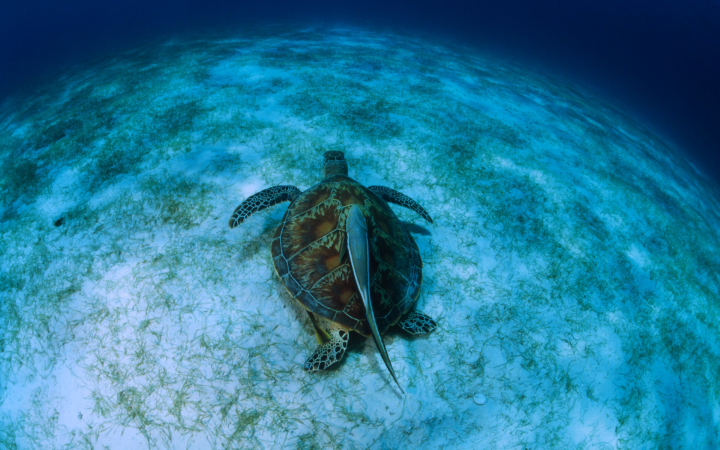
<point>334,163</point>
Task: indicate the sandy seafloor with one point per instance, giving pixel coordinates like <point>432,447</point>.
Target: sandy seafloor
<point>572,266</point>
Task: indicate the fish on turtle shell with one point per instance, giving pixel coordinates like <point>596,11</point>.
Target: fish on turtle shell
<point>344,255</point>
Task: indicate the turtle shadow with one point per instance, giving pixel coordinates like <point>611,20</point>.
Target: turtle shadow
<point>253,237</point>
<point>415,228</point>
<point>357,342</point>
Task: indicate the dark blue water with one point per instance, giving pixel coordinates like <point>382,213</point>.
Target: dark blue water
<point>659,59</point>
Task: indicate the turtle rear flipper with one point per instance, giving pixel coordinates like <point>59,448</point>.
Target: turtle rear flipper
<point>330,352</point>
<point>393,196</point>
<point>418,323</point>
<point>263,200</point>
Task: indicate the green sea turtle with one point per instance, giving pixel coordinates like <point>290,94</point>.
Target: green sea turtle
<point>346,257</point>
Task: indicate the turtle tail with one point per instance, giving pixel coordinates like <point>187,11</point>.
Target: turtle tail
<point>357,242</point>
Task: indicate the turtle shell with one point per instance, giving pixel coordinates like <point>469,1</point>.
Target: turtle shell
<point>306,252</point>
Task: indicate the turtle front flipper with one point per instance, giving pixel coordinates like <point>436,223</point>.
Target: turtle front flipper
<point>357,240</point>
<point>329,352</point>
<point>418,323</point>
<point>262,200</point>
<point>393,196</point>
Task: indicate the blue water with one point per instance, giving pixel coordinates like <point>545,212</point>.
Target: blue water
<point>659,59</point>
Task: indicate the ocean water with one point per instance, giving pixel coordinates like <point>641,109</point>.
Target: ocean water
<point>571,265</point>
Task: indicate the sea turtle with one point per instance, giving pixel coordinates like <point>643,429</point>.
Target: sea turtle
<point>346,257</point>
